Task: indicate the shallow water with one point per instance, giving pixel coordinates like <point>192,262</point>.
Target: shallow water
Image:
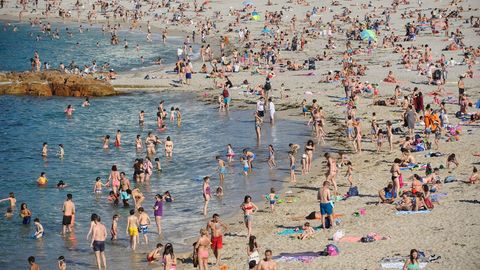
<point>16,48</point>
<point>27,122</point>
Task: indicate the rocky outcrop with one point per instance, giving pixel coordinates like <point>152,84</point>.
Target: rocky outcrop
<point>52,83</point>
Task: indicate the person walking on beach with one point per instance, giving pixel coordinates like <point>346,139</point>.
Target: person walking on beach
<point>132,229</point>
<point>248,208</point>
<point>98,243</point>
<point>226,97</point>
<point>331,171</point>
<point>206,194</point>
<point>68,214</point>
<point>326,205</point>
<point>202,249</point>
<point>217,229</point>
<point>158,212</point>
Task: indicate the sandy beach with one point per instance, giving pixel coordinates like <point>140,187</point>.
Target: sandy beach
<point>450,230</point>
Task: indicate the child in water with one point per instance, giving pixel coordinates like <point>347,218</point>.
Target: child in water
<point>38,229</point>
<point>230,153</point>
<point>246,168</point>
<point>114,228</point>
<point>158,166</point>
<point>97,188</point>
<point>61,151</point>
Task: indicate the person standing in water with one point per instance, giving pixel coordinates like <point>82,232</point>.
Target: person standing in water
<point>158,212</point>
<point>132,229</point>
<point>118,138</point>
<point>68,213</point>
<point>99,235</point>
<point>258,125</point>
<point>106,141</point>
<point>141,118</point>
<point>69,110</point>
<point>44,149</point>
<point>61,151</point>
<point>221,170</point>
<point>168,147</point>
<point>144,221</point>
<point>206,194</point>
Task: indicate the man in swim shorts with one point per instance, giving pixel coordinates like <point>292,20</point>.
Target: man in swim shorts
<point>216,229</point>
<point>68,212</point>
<point>132,229</point>
<point>99,235</point>
<point>326,206</point>
<point>144,221</point>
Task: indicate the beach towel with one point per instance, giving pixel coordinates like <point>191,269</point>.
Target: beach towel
<point>400,213</point>
<point>399,265</point>
<point>304,257</point>
<point>293,231</point>
<point>305,74</point>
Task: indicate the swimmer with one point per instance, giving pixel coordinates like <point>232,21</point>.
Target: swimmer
<point>62,265</point>
<point>61,184</point>
<point>132,229</point>
<point>38,229</point>
<point>118,139</point>
<point>61,151</point>
<point>154,255</point>
<point>138,142</point>
<point>141,118</point>
<point>42,180</point>
<point>86,103</point>
<point>219,192</point>
<point>97,188</point>
<point>167,196</point>
<point>221,169</point>
<point>44,149</point>
<point>69,110</point>
<point>106,141</point>
<point>168,147</point>
<point>12,200</point>
<point>158,166</point>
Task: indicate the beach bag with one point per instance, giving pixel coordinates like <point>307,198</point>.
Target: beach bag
<point>428,203</point>
<point>352,191</point>
<point>267,86</point>
<point>332,250</point>
<point>420,147</point>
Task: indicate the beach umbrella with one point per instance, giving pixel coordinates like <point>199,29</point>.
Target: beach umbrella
<point>368,34</point>
<point>247,3</point>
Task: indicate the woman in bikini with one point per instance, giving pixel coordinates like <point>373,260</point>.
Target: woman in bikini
<point>309,148</point>
<point>138,143</point>
<point>258,125</point>
<point>248,208</point>
<point>206,194</point>
<point>396,174</point>
<point>202,246</point>
<point>168,147</point>
<point>169,259</point>
<point>114,179</point>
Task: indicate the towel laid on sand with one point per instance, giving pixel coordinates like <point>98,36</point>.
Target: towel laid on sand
<point>304,257</point>
<point>399,265</point>
<point>399,213</point>
<point>293,231</point>
<point>356,239</point>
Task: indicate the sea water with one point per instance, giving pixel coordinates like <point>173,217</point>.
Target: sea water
<point>27,122</point>
<point>17,48</point>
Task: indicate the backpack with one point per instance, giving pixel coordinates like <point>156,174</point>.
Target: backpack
<point>449,179</point>
<point>352,191</point>
<point>367,239</point>
<point>332,250</point>
<point>267,86</point>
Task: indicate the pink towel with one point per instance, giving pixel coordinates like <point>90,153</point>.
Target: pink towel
<point>356,239</point>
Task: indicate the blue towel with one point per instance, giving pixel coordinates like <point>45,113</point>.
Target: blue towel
<point>399,213</point>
